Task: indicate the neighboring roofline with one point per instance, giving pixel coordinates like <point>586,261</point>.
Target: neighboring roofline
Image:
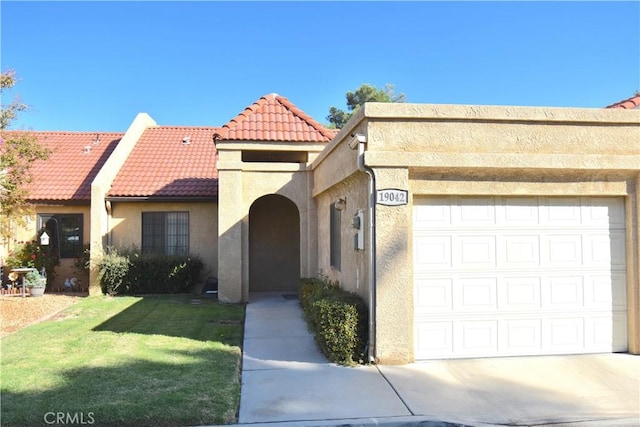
<point>162,199</point>
<point>60,202</point>
<point>627,104</point>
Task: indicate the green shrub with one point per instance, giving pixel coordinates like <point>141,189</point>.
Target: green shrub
<point>339,320</point>
<point>32,254</point>
<point>131,272</point>
<point>113,270</point>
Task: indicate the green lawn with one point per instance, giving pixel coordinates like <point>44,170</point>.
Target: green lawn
<point>126,361</point>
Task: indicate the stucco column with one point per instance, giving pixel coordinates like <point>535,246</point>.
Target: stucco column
<point>394,273</point>
<point>230,217</point>
<point>99,189</point>
<point>633,268</point>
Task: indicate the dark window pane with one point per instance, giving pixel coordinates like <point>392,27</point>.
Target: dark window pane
<point>65,233</point>
<point>334,237</point>
<point>165,233</point>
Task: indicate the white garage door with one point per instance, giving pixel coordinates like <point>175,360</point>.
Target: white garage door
<point>501,276</point>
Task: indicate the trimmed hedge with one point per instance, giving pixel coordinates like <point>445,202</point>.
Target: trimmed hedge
<point>339,320</point>
<point>129,272</point>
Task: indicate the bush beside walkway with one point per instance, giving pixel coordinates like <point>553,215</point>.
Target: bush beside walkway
<point>339,320</point>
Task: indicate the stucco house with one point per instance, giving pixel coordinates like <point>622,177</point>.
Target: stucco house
<point>471,231</point>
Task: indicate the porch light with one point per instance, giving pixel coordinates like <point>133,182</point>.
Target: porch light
<point>341,203</point>
<point>44,239</point>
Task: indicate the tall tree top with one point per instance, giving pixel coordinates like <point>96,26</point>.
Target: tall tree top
<point>365,93</point>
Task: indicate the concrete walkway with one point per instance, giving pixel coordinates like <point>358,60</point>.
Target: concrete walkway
<point>287,381</point>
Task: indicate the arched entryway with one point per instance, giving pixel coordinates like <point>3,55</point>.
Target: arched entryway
<point>274,244</point>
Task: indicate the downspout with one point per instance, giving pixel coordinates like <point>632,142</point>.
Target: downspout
<point>361,140</point>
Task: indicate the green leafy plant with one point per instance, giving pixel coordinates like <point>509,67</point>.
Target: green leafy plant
<point>338,319</point>
<point>112,272</point>
<point>32,254</point>
<point>34,279</point>
<point>130,272</point>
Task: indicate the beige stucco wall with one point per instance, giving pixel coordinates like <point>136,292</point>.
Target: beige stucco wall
<point>100,188</point>
<point>353,272</point>
<point>476,150</point>
<point>66,269</point>
<point>240,184</point>
<point>125,225</point>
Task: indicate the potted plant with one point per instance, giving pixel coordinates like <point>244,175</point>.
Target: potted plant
<point>36,283</point>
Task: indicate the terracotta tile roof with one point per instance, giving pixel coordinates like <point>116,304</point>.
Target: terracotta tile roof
<point>633,102</point>
<point>274,118</point>
<point>74,162</point>
<point>170,162</point>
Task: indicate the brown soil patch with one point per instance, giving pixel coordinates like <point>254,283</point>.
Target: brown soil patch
<point>17,312</point>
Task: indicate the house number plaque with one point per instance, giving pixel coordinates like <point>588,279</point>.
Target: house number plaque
<point>392,197</point>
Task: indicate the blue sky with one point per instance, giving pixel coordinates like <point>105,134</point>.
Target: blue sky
<point>94,65</point>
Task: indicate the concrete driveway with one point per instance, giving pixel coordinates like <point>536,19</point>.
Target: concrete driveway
<point>286,381</point>
<point>523,390</point>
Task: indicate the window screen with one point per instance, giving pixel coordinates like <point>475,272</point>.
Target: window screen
<point>165,233</point>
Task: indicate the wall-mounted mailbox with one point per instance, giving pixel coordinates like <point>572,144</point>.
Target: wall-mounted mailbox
<point>357,222</point>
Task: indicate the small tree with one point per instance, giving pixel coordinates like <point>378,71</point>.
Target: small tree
<point>365,93</point>
<point>18,150</point>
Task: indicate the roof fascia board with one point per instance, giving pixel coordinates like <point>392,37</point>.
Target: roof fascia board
<point>269,145</point>
<point>152,199</point>
<point>492,113</point>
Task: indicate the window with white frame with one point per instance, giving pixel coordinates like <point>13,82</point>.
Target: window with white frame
<point>165,233</point>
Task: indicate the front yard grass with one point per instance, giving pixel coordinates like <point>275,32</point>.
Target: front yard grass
<point>129,361</point>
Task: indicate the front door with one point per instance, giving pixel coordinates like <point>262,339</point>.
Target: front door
<point>274,244</point>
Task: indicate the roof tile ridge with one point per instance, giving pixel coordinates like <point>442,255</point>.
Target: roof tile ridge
<point>66,132</point>
<point>181,127</point>
<point>243,115</point>
<point>635,100</point>
<point>304,116</point>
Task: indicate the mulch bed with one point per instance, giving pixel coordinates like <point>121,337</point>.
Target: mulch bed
<point>17,312</point>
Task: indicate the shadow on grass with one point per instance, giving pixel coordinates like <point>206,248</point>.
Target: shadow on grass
<point>196,388</point>
<point>161,361</point>
<point>184,316</point>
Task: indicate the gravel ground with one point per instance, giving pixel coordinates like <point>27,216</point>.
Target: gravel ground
<point>17,312</point>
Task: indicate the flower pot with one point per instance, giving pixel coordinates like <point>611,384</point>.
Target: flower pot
<point>36,292</point>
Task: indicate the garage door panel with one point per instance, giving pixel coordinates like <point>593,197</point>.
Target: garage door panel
<point>605,249</point>
<point>434,339</point>
<point>606,292</point>
<point>518,250</point>
<point>620,331</point>
<point>473,212</point>
<point>432,212</point>
<point>475,294</point>
<point>518,211</point>
<point>500,276</point>
<point>560,211</point>
<point>521,336</point>
<point>607,212</point>
<point>434,296</point>
<point>599,333</point>
<point>564,250</point>
<point>563,334</point>
<point>563,293</point>
<point>474,251</point>
<point>520,293</point>
<point>476,337</point>
<point>432,252</point>
<point>619,291</point>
